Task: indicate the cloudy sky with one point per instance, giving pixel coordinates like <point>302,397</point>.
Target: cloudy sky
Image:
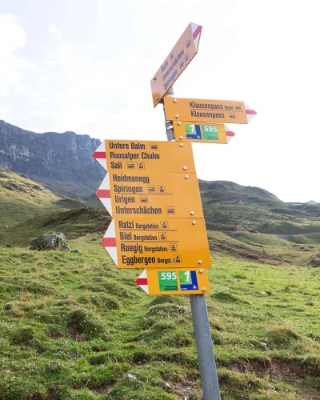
<point>86,65</point>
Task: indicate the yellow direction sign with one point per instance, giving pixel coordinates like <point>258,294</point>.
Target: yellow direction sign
<point>155,193</point>
<point>118,156</point>
<point>158,242</point>
<point>201,133</point>
<point>174,281</point>
<point>175,63</point>
<point>202,111</point>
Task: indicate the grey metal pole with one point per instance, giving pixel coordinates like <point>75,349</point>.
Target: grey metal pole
<point>208,371</point>
<point>207,364</point>
<point>169,124</point>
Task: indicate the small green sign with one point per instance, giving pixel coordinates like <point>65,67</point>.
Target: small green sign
<point>185,278</point>
<point>188,280</point>
<point>167,281</point>
<point>210,132</point>
<point>190,129</point>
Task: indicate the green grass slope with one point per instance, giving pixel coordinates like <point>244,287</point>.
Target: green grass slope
<point>74,327</point>
<point>21,198</point>
<point>22,201</point>
<point>303,250</point>
<point>73,223</point>
<point>231,207</point>
<point>230,192</point>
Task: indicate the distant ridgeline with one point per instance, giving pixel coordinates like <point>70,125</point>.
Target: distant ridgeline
<point>63,162</point>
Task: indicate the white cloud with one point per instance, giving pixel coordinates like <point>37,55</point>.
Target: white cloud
<point>12,35</point>
<point>5,112</point>
<point>55,31</point>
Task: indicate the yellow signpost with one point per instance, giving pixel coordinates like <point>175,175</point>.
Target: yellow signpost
<point>164,194</point>
<point>211,111</point>
<point>174,281</point>
<point>157,242</point>
<point>175,63</point>
<point>158,218</point>
<point>124,155</point>
<point>151,191</point>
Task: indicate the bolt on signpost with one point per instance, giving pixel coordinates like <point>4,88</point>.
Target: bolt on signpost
<point>151,191</point>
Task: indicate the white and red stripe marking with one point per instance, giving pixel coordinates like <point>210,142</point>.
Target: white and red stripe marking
<point>230,134</point>
<point>104,194</point>
<point>100,155</point>
<point>109,242</point>
<point>142,281</point>
<point>196,30</point>
<point>249,112</point>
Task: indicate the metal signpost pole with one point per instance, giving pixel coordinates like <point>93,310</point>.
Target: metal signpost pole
<point>169,124</point>
<point>207,365</point>
<point>208,371</point>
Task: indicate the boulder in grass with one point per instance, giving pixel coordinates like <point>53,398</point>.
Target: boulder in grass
<point>55,241</point>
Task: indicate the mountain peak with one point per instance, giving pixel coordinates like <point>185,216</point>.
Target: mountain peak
<point>63,162</point>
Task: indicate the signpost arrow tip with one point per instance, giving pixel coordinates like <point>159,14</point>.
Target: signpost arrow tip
<point>104,194</point>
<point>230,134</point>
<point>142,281</point>
<point>196,31</point>
<point>250,112</point>
<point>109,242</point>
<point>100,155</point>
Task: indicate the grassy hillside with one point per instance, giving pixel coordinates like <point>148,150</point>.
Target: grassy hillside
<point>73,223</point>
<point>231,207</point>
<point>21,198</point>
<point>26,205</point>
<point>301,250</point>
<point>230,193</point>
<point>75,327</point>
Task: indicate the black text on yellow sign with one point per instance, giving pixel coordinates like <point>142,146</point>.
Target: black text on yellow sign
<point>153,242</point>
<point>151,193</point>
<point>201,111</point>
<point>148,156</point>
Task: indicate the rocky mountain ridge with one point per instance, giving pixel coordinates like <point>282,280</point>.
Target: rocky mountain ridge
<point>61,161</point>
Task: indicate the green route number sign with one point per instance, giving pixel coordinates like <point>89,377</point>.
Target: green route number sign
<point>168,280</point>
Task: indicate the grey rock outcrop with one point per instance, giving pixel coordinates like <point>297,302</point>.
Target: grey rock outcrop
<point>56,241</point>
<point>60,161</point>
